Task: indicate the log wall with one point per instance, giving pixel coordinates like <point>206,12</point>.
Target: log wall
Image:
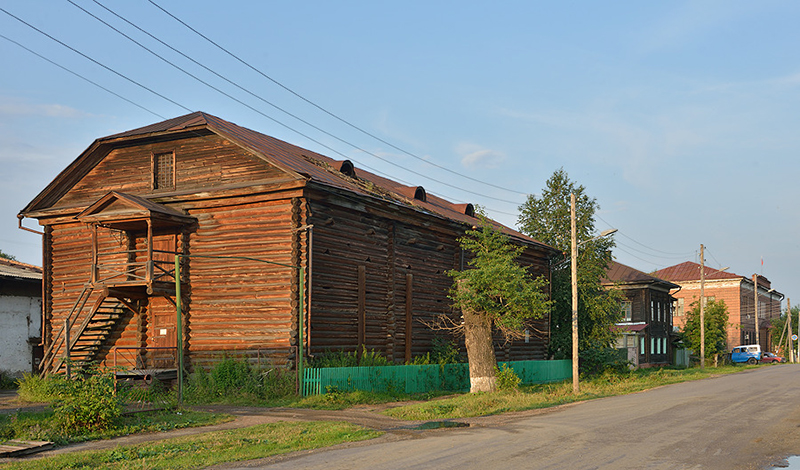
<point>378,277</point>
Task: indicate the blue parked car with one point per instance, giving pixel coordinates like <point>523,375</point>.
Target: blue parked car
<point>749,353</point>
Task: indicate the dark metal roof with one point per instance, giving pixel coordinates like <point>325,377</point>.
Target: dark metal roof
<point>619,273</point>
<point>690,271</point>
<point>300,162</point>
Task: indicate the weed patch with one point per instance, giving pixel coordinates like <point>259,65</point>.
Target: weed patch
<point>201,451</point>
<point>608,383</point>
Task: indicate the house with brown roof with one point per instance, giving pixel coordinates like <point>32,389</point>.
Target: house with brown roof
<point>738,294</point>
<point>20,317</point>
<point>281,252</point>
<point>644,332</point>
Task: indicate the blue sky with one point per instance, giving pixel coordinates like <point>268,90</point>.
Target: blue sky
<point>680,118</point>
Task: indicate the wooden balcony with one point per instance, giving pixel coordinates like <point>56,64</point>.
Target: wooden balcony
<point>134,272</point>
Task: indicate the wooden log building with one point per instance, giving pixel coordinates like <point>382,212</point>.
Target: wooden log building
<point>227,199</point>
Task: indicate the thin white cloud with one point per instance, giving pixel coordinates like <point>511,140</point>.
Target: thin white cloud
<point>13,107</point>
<point>476,156</point>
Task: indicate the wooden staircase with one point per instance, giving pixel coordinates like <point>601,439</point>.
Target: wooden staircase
<point>84,334</point>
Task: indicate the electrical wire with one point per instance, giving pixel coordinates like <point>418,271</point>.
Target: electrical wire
<point>96,62</point>
<point>165,97</point>
<point>245,63</point>
<point>649,254</point>
<point>266,101</point>
<point>82,77</point>
<point>637,257</point>
<point>622,233</point>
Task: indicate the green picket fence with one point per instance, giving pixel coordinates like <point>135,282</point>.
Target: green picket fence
<point>422,378</point>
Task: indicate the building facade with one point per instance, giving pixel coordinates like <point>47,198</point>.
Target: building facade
<point>644,332</point>
<point>280,251</point>
<point>736,291</point>
<point>20,317</point>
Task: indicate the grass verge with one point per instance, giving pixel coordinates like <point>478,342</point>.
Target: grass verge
<point>212,448</point>
<point>549,395</point>
<point>42,426</point>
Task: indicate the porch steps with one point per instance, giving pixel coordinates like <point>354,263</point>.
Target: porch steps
<point>101,322</point>
<point>87,338</point>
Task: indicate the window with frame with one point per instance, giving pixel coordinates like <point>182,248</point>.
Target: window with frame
<point>164,170</point>
<point>679,307</point>
<point>627,310</point>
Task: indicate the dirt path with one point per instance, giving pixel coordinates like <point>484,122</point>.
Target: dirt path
<point>367,416</point>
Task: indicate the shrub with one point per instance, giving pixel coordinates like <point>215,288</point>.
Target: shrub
<point>7,381</point>
<point>33,388</point>
<point>598,359</point>
<point>507,379</point>
<point>444,351</point>
<point>370,358</point>
<point>88,403</point>
<point>232,380</point>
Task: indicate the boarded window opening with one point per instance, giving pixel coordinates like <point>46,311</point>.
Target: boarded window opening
<point>164,170</point>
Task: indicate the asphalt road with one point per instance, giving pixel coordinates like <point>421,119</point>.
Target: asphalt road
<point>743,421</point>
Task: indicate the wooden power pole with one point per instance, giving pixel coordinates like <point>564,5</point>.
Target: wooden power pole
<point>574,272</point>
<point>702,307</point>
<point>755,299</point>
<point>789,320</point>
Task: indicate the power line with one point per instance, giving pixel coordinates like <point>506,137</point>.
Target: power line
<point>82,77</point>
<point>262,99</point>
<point>637,257</point>
<point>679,255</point>
<point>325,110</point>
<point>96,62</point>
<point>123,76</point>
<point>649,254</point>
<point>166,98</point>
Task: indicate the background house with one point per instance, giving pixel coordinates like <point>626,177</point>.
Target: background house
<point>737,293</point>
<point>647,315</point>
<point>246,211</point>
<point>20,316</point>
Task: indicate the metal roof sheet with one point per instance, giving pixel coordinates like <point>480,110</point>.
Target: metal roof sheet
<point>690,271</point>
<point>10,269</point>
<point>318,167</point>
<point>620,273</point>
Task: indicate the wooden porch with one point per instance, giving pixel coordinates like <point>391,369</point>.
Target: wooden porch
<point>124,276</point>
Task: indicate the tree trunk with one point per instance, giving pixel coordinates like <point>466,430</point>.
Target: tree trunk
<point>480,352</point>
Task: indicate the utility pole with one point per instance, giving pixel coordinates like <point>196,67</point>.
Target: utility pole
<point>574,269</point>
<point>788,307</point>
<point>702,307</point>
<point>789,319</point>
<point>755,291</point>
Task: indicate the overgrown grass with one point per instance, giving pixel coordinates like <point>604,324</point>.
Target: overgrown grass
<point>203,450</point>
<point>45,425</point>
<point>34,389</point>
<point>549,395</point>
<point>233,381</point>
<point>91,407</point>
<point>7,381</point>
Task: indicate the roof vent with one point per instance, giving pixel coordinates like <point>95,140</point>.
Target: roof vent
<point>348,169</point>
<point>420,194</point>
<point>470,210</point>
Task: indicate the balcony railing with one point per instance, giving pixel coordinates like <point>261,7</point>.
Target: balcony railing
<point>133,267</point>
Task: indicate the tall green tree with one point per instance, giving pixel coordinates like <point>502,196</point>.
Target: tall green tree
<point>716,328</point>
<point>547,219</point>
<point>7,256</point>
<point>495,293</point>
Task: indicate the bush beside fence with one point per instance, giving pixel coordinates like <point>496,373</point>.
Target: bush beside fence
<point>422,378</point>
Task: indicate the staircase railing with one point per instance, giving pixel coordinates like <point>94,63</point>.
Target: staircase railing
<point>59,338</point>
